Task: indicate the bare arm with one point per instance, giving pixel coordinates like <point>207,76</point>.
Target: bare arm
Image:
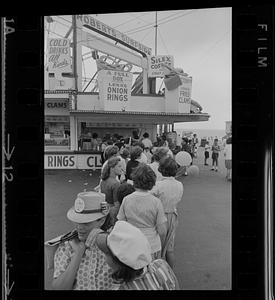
<point>162,230</point>
<point>65,280</point>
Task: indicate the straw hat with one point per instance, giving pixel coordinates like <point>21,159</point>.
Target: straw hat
<point>88,207</point>
<point>128,244</point>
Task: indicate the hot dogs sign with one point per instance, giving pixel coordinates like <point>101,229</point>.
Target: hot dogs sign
<point>156,63</point>
<point>59,58</point>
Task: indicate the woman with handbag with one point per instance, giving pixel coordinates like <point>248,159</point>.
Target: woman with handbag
<point>78,263</point>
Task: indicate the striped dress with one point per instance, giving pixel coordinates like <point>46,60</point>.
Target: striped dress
<point>156,276</point>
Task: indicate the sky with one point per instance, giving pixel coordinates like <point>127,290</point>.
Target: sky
<point>198,39</point>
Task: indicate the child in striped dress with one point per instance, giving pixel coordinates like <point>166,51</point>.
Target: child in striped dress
<point>128,253</point>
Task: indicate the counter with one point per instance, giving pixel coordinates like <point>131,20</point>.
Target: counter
<point>87,160</point>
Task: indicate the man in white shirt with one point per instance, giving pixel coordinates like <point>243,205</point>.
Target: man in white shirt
<point>146,141</point>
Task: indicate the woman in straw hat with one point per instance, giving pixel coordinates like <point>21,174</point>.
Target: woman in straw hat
<point>78,263</point>
<point>128,253</point>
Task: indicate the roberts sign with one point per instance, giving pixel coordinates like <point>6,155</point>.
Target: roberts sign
<point>156,63</point>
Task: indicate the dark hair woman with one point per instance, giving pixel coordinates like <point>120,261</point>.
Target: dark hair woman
<point>144,210</point>
<point>158,154</point>
<point>135,154</point>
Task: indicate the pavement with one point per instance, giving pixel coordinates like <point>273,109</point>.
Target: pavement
<point>203,237</point>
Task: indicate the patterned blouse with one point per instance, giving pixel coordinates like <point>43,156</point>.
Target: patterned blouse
<point>157,276</point>
<point>93,272</point>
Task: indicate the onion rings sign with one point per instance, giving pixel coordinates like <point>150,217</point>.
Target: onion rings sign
<point>115,89</point>
<point>156,63</point>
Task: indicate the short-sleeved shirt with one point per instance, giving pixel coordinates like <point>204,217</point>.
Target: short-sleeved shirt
<point>109,188</point>
<point>207,148</point>
<point>93,272</point>
<point>169,191</point>
<point>144,211</point>
<point>228,151</point>
<point>216,148</point>
<point>158,275</point>
<point>147,143</point>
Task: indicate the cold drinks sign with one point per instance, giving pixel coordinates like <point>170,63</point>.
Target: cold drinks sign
<point>156,63</point>
<point>59,58</point>
<point>115,89</point>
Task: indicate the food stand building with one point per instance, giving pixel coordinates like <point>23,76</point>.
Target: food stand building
<point>118,107</point>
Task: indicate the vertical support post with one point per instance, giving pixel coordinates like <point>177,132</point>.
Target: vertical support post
<point>74,52</point>
<point>156,33</point>
<point>73,145</point>
<point>77,53</point>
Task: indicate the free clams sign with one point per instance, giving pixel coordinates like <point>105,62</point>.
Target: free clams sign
<point>59,58</point>
<point>184,95</point>
<point>115,89</point>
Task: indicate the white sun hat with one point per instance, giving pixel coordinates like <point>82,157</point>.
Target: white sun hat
<point>128,244</point>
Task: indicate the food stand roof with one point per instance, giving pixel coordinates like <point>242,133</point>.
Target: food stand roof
<point>141,117</point>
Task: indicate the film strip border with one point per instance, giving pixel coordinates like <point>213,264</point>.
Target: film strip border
<point>23,145</point>
<point>23,149</point>
<point>252,125</point>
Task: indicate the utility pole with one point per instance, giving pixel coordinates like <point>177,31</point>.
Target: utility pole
<point>74,51</point>
<point>156,33</point>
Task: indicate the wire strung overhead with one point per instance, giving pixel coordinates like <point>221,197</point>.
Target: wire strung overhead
<point>208,51</point>
<point>145,27</point>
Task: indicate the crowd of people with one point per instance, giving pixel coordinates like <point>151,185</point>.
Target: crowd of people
<point>125,228</point>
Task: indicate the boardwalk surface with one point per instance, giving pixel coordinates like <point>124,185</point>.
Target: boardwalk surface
<point>203,240</point>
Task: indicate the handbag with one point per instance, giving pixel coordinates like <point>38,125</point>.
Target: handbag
<point>52,245</point>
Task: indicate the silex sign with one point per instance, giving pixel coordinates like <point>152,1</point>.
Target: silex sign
<point>156,63</point>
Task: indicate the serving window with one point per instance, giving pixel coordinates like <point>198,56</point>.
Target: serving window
<point>57,132</point>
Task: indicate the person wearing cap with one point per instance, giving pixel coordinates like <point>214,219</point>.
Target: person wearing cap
<point>78,263</point>
<point>128,253</point>
<point>169,191</point>
<point>144,210</point>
